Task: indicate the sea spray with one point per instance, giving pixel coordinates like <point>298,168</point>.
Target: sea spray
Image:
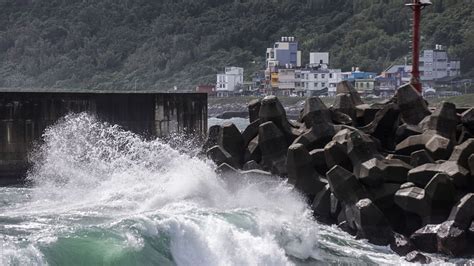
<point>102,195</point>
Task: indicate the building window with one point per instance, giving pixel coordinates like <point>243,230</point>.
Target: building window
<point>323,84</point>
<point>315,84</point>
<point>323,76</point>
<point>330,76</point>
<point>315,76</point>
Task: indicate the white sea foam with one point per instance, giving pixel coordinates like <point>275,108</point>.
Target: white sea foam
<point>90,176</point>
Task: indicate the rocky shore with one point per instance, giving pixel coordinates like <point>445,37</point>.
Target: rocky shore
<point>395,173</point>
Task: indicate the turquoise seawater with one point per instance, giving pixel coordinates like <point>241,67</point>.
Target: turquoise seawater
<point>99,195</point>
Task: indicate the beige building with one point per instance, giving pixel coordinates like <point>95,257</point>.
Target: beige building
<point>365,86</point>
<point>286,82</point>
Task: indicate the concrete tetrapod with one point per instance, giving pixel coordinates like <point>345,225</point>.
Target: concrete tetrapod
<point>467,119</point>
<point>421,191</point>
<point>271,110</point>
<point>371,223</point>
<point>412,106</point>
<point>231,140</point>
<point>273,146</point>
<point>301,172</point>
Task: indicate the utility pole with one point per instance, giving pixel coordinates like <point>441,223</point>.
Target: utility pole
<point>416,6</point>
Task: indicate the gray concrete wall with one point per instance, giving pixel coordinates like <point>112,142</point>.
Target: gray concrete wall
<point>25,115</point>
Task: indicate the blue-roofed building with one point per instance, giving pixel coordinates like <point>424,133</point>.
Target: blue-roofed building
<point>363,82</point>
<point>357,74</point>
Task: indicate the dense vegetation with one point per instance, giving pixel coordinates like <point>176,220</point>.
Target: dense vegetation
<point>150,44</point>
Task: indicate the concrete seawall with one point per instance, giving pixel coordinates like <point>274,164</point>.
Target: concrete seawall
<point>25,115</point>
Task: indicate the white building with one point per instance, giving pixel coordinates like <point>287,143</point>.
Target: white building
<point>320,81</point>
<point>335,76</point>
<point>319,59</point>
<point>435,64</point>
<point>290,79</point>
<point>230,81</point>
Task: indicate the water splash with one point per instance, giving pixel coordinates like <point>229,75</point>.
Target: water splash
<point>102,195</point>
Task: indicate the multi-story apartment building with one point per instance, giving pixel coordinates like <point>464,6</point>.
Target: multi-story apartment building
<point>302,82</point>
<point>315,81</point>
<point>335,76</point>
<point>320,81</point>
<point>230,81</point>
<point>284,54</point>
<point>286,81</point>
<point>436,64</point>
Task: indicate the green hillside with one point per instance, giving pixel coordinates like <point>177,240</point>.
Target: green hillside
<point>151,44</point>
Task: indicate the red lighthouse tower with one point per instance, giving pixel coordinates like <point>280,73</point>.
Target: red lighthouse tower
<point>416,6</point>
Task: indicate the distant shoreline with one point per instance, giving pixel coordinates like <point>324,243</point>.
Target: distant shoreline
<point>218,106</point>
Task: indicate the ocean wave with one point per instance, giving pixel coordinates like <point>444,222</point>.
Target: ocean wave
<point>101,195</point>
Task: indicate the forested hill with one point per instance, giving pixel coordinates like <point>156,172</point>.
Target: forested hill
<point>157,44</point>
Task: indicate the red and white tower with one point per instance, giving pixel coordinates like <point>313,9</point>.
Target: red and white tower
<point>416,6</point>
